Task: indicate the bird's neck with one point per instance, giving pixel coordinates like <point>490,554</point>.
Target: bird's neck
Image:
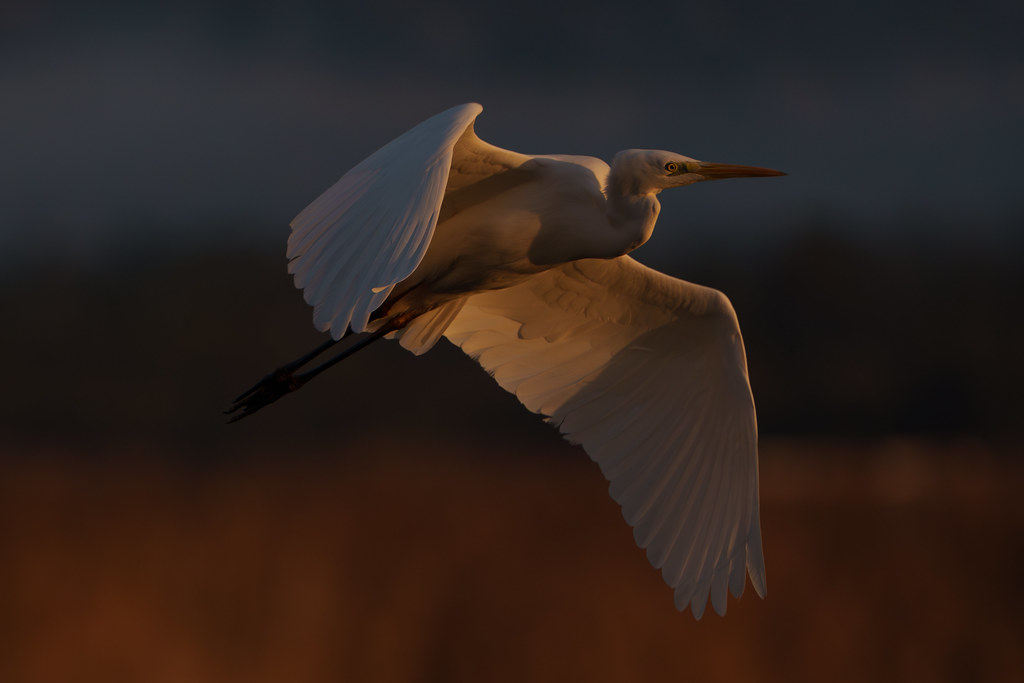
<point>632,212</point>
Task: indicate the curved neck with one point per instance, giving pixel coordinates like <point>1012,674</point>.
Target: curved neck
<point>632,210</point>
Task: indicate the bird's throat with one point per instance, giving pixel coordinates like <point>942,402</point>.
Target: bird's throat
<point>633,216</point>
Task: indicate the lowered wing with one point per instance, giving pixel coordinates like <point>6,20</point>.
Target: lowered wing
<point>649,374</point>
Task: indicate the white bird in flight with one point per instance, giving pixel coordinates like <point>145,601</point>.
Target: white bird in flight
<point>521,260</point>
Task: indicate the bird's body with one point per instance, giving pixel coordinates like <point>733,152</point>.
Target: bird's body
<point>520,260</point>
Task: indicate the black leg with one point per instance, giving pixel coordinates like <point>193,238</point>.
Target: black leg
<point>285,371</point>
<point>284,380</point>
<point>355,346</point>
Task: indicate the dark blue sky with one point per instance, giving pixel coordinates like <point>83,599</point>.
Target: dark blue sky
<point>125,124</point>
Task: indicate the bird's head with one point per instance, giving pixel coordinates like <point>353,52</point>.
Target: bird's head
<point>644,171</point>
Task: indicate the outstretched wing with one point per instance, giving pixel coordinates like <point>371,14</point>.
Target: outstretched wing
<point>648,373</point>
<point>369,231</point>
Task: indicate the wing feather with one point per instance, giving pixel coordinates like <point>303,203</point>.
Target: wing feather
<point>369,231</point>
<point>648,373</point>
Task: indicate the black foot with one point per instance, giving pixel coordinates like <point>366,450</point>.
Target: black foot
<point>272,387</point>
<point>284,380</point>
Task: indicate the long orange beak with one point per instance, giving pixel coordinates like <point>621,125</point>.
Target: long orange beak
<point>713,171</point>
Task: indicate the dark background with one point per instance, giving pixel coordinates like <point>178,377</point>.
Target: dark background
<point>404,509</point>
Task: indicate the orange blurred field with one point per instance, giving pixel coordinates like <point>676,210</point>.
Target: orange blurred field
<point>891,560</point>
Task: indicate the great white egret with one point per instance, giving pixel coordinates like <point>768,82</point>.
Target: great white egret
<point>521,261</point>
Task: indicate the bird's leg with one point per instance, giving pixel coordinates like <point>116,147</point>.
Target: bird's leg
<point>284,373</point>
<point>275,385</point>
<point>284,380</point>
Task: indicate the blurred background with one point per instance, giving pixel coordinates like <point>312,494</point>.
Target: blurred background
<point>402,519</point>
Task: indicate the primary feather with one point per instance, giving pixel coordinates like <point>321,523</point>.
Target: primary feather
<point>369,231</point>
<point>648,373</point>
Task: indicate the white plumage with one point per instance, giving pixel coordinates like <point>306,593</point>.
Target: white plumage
<point>521,261</point>
<point>368,232</point>
<point>648,374</point>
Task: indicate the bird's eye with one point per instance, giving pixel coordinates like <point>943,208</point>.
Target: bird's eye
<point>671,167</point>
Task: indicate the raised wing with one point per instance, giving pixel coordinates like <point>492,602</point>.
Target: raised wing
<point>369,231</point>
<point>648,373</point>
